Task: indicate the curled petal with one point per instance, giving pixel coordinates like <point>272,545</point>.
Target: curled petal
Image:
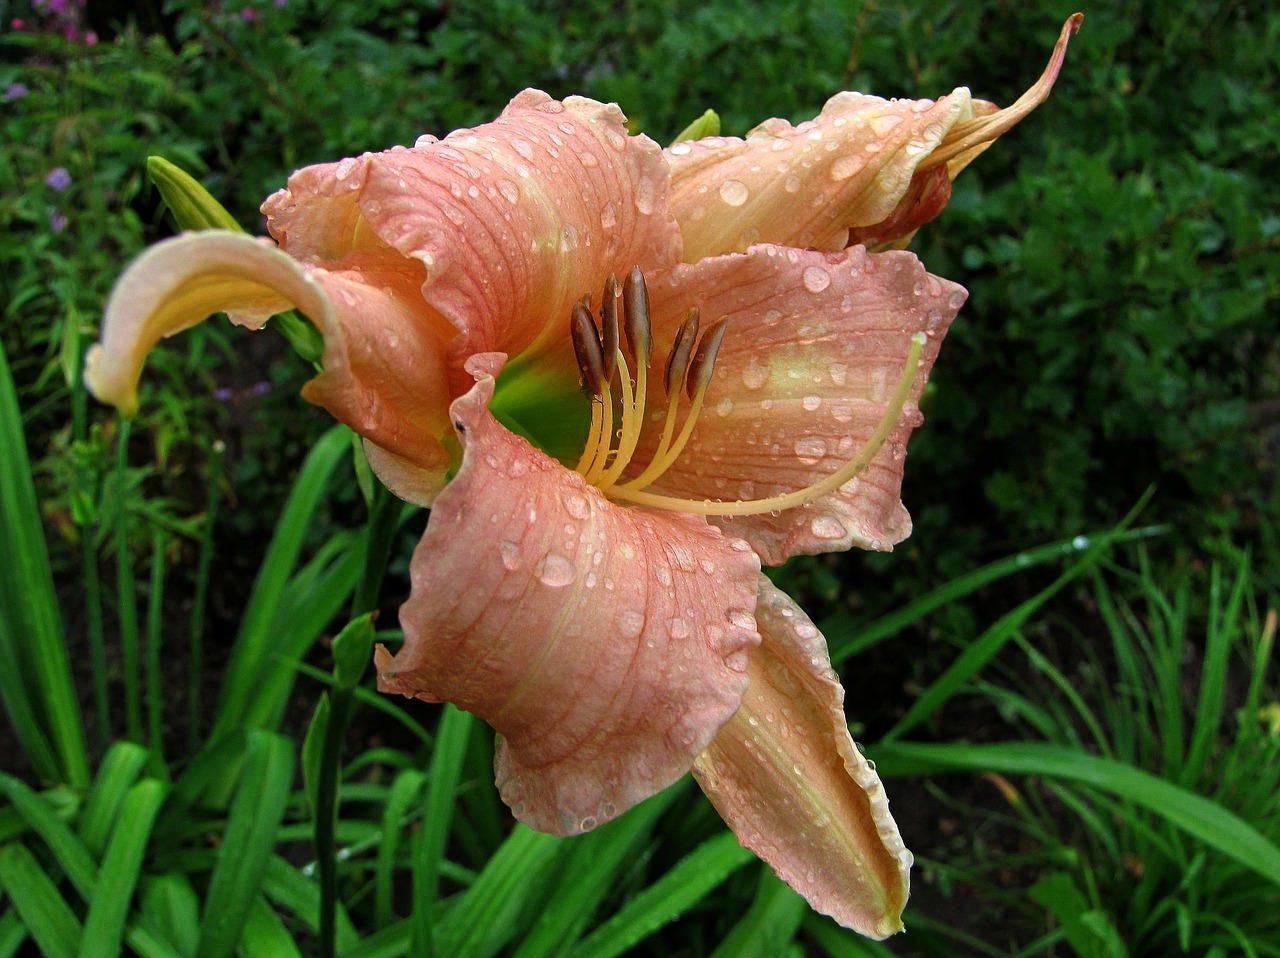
<point>806,185</point>
<point>861,171</point>
<point>383,366</point>
<point>606,645</point>
<point>816,344</point>
<point>787,778</point>
<point>512,221</point>
<point>182,281</point>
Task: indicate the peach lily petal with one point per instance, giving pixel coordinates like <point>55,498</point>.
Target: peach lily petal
<point>513,220</point>
<point>178,283</point>
<point>606,645</point>
<point>816,344</point>
<point>851,174</point>
<point>816,813</point>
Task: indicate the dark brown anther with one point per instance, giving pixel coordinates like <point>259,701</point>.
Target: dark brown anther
<point>681,350</point>
<point>704,360</point>
<point>635,316</point>
<point>609,326</point>
<point>586,347</point>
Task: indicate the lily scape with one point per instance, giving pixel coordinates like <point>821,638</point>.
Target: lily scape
<point>623,378</point>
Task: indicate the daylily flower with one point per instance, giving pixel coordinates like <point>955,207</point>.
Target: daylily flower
<point>605,482</point>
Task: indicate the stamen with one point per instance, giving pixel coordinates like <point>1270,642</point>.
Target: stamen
<point>822,487</point>
<point>609,326</point>
<point>635,312</point>
<point>704,360</point>
<point>678,361</point>
<point>586,347</point>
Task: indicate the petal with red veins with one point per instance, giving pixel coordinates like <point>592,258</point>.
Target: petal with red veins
<point>606,645</point>
<point>513,221</point>
<point>806,185</point>
<point>787,778</point>
<point>816,344</point>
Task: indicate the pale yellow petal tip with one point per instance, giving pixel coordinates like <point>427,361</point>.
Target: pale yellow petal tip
<point>182,281</point>
<point>105,381</point>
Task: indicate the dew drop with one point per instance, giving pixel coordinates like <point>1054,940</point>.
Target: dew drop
<point>510,554</point>
<point>424,141</point>
<point>755,374</point>
<point>810,449</point>
<point>663,575</point>
<point>630,623</point>
<point>680,149</point>
<point>884,123</point>
<point>510,192</point>
<point>791,184</point>
<point>844,167</point>
<point>568,238</point>
<point>645,197</point>
<point>815,279</point>
<point>957,299</point>
<point>576,506</point>
<point>772,317</point>
<point>679,628</point>
<point>811,403</point>
<point>555,571</point>
<point>742,619</point>
<point>609,216</point>
<point>734,192</point>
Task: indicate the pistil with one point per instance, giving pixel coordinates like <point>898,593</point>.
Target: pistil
<point>689,366</point>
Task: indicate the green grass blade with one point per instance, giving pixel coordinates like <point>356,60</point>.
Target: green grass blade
<point>770,923</point>
<point>49,919</point>
<point>446,766</point>
<point>171,906</point>
<point>265,935</point>
<point>978,653</point>
<point>1200,817</point>
<point>256,644</point>
<point>288,888</point>
<point>695,876</point>
<point>120,768</point>
<point>35,675</point>
<point>483,920</point>
<point>254,818</point>
<point>845,637</point>
<point>12,933</point>
<point>104,927</point>
<point>404,793</point>
<point>1221,635</point>
<point>590,871</point>
<point>68,850</point>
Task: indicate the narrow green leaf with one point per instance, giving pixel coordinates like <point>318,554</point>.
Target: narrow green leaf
<point>192,206</point>
<point>265,935</point>
<point>49,919</point>
<point>313,749</point>
<point>446,765</point>
<point>1202,818</point>
<point>104,927</point>
<point>590,871</point>
<point>770,923</point>
<point>35,675</point>
<point>257,642</point>
<point>706,125</point>
<point>13,934</point>
<point>120,768</point>
<point>254,818</point>
<point>404,793</point>
<point>353,651</point>
<point>288,888</point>
<point>170,904</point>
<point>694,877</point>
<point>483,920</point>
<point>68,850</point>
<point>1088,930</point>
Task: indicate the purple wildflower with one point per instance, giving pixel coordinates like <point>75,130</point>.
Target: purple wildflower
<point>57,221</point>
<point>58,179</point>
<point>15,91</point>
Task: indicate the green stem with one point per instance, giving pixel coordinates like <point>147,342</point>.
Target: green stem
<point>89,568</point>
<point>126,594</point>
<point>195,655</point>
<point>155,609</point>
<point>383,516</point>
<point>342,702</point>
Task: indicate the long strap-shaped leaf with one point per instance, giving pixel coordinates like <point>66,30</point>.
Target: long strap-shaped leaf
<point>1198,816</point>
<point>35,676</point>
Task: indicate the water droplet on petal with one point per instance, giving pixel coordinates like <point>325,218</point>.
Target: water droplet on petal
<point>815,279</point>
<point>791,184</point>
<point>756,373</point>
<point>680,149</point>
<point>734,192</point>
<point>679,628</point>
<point>609,216</point>
<point>510,192</point>
<point>576,506</point>
<point>811,403</point>
<point>810,449</point>
<point>663,575</point>
<point>844,167</point>
<point>630,624</point>
<point>555,571</point>
<point>510,554</point>
<point>724,406</point>
<point>742,619</point>
<point>881,125</point>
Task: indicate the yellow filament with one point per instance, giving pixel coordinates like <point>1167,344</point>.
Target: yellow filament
<point>601,438</point>
<point>666,456</point>
<point>592,448</point>
<point>851,469</point>
<point>632,419</point>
